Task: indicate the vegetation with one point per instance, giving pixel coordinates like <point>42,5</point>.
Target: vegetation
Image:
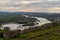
<point>44,32</point>
<point>49,31</point>
<point>17,18</point>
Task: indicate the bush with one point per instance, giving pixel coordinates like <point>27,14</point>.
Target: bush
<point>7,28</point>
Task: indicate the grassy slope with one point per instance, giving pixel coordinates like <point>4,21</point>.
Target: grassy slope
<point>52,33</point>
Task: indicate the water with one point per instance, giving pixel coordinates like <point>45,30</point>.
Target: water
<point>12,26</point>
<point>15,26</point>
<point>41,21</point>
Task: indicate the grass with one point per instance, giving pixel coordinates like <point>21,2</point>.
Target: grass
<point>52,33</point>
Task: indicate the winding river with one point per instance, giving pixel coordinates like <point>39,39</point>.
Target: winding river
<point>14,26</point>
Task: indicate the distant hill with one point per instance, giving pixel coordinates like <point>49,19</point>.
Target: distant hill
<point>31,13</point>
<point>49,16</point>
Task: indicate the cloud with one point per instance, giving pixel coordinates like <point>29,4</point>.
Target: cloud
<point>30,5</point>
<point>56,9</point>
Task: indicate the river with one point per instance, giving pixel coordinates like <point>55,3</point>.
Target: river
<point>14,26</point>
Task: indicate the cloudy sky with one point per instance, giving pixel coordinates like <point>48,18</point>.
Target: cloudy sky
<point>30,5</point>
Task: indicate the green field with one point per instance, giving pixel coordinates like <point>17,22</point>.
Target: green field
<point>52,33</point>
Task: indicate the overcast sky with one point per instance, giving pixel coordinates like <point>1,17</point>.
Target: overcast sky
<point>30,5</point>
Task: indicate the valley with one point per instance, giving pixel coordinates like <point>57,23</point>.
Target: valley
<point>29,26</point>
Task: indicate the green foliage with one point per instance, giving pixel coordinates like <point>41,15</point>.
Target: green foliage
<point>17,19</point>
<point>52,33</point>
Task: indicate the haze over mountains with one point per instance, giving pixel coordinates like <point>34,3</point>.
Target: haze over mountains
<point>31,13</point>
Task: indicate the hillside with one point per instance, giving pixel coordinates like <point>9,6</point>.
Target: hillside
<point>52,33</point>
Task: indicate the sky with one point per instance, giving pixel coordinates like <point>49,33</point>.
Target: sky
<point>30,5</point>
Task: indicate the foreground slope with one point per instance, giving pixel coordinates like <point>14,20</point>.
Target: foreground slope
<point>52,33</point>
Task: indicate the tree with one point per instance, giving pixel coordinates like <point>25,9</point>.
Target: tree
<point>9,34</point>
<point>7,28</point>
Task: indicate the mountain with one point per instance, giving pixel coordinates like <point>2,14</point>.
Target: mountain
<point>38,14</point>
